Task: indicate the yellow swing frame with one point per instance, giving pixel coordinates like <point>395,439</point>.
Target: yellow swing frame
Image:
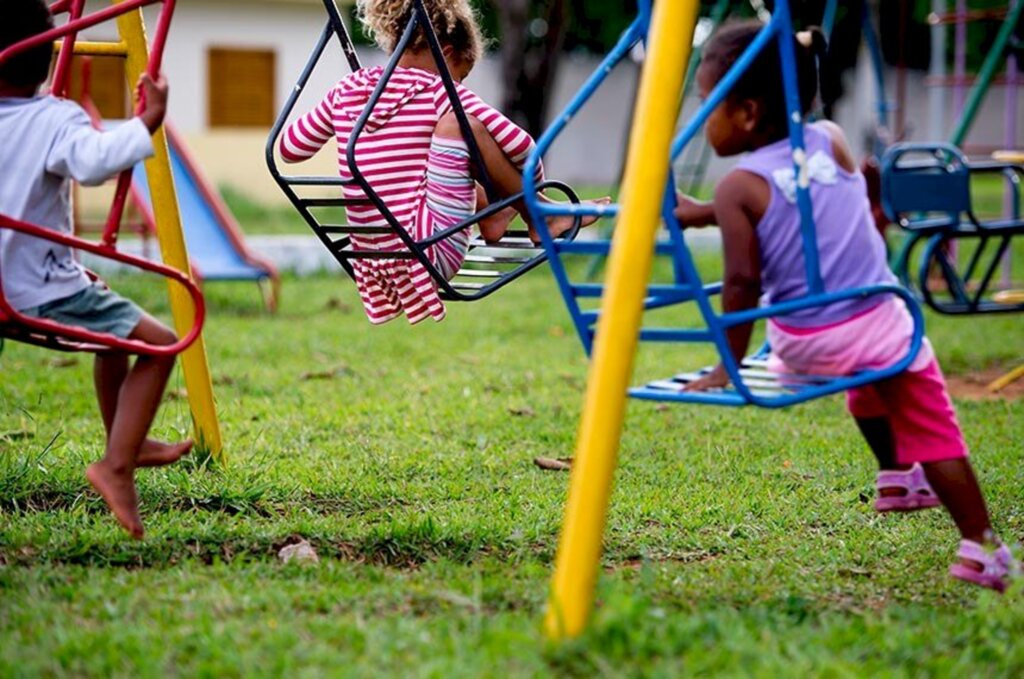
<point>629,267</point>
<point>133,47</point>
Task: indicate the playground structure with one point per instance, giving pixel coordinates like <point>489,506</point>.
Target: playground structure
<point>217,247</point>
<point>690,169</point>
<point>926,190</point>
<point>752,384</point>
<point>611,334</point>
<point>1004,50</point>
<point>945,226</point>
<point>186,300</point>
<point>488,267</point>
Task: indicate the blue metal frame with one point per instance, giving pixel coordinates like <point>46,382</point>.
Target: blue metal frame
<point>828,18</point>
<point>687,285</point>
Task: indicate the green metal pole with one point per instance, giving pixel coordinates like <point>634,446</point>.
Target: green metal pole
<point>988,71</point>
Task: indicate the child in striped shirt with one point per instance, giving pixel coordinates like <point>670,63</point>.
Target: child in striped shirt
<point>413,153</point>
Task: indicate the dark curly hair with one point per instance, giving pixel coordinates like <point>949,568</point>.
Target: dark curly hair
<point>763,80</point>
<point>21,19</point>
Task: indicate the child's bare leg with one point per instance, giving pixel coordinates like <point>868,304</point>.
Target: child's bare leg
<point>155,453</point>
<point>869,412</point>
<point>494,227</point>
<point>877,431</point>
<point>955,484</point>
<point>108,376</point>
<point>109,372</point>
<point>505,176</point>
<point>141,392</point>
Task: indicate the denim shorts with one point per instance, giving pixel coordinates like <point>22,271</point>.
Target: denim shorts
<point>97,308</point>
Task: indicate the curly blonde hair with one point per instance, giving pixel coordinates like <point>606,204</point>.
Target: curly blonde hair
<point>455,23</point>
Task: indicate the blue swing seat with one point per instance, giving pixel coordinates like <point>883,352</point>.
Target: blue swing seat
<point>926,190</point>
<point>751,381</point>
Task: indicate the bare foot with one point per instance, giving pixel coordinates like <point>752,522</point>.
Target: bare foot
<point>118,491</point>
<point>558,226</point>
<point>494,227</point>
<point>160,454</point>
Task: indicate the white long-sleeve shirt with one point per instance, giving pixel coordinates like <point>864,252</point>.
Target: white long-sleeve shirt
<point>45,143</point>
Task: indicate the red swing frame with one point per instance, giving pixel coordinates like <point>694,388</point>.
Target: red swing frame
<point>19,327</point>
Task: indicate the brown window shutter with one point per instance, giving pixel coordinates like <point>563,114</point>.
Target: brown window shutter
<point>108,89</point>
<point>241,87</point>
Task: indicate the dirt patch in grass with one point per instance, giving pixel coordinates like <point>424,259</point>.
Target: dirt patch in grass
<point>975,386</point>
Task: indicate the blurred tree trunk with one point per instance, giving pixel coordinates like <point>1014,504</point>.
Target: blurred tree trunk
<point>531,44</point>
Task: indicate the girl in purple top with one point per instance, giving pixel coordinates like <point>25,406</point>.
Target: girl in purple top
<point>908,421</point>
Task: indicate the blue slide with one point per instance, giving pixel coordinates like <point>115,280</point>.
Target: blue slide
<point>216,247</point>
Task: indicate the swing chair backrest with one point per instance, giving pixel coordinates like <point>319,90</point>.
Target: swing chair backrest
<point>926,187</point>
<point>516,256</point>
<point>22,328</point>
<point>752,383</point>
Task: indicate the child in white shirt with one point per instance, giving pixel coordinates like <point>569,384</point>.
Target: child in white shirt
<point>45,143</point>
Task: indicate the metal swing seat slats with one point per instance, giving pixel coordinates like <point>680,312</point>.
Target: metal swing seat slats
<point>751,381</point>
<point>926,190</point>
<point>56,336</point>
<point>508,259</point>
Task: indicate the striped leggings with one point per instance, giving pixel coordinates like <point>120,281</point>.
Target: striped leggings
<point>449,198</point>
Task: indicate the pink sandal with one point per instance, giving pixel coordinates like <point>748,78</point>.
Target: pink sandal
<point>997,566</point>
<point>918,492</point>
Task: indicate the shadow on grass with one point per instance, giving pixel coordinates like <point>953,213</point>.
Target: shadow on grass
<point>404,546</point>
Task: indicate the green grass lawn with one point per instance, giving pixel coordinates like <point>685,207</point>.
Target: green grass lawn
<point>740,542</point>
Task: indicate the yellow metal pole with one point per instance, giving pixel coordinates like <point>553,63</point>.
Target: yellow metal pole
<point>173,250</point>
<point>629,269</point>
<point>96,49</point>
<point>1007,379</point>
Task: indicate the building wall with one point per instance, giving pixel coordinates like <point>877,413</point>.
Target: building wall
<point>590,152</point>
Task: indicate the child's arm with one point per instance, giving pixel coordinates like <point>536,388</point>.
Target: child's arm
<point>306,136</point>
<point>514,141</point>
<point>740,201</point>
<point>693,212</point>
<point>91,156</point>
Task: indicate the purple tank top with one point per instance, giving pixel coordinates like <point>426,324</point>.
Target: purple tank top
<point>850,251</point>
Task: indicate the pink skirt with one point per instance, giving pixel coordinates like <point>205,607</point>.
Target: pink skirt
<point>916,402</point>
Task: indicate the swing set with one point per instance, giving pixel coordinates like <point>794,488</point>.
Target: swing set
<point>488,267</point>
<point>187,303</point>
<point>752,384</point>
<point>611,335</point>
<point>926,189</point>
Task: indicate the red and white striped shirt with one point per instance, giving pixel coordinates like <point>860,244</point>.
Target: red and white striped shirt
<point>392,154</point>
